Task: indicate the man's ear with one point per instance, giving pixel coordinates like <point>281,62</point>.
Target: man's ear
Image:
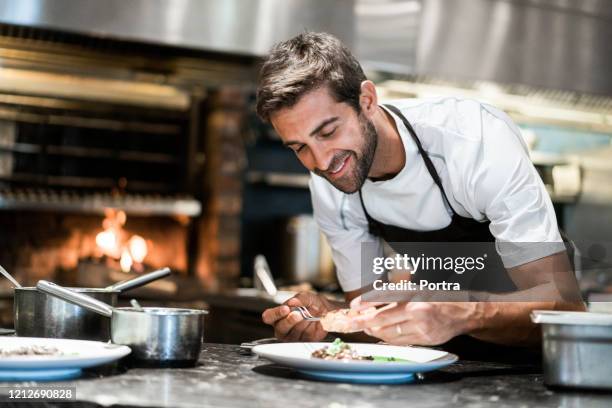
<point>368,100</point>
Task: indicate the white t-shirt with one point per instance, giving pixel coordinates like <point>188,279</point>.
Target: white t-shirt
<point>486,173</point>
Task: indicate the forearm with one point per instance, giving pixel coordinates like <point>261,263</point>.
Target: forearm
<point>509,323</point>
<point>549,284</point>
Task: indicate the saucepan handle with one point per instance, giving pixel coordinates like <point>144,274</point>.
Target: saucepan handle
<point>140,281</point>
<point>77,298</point>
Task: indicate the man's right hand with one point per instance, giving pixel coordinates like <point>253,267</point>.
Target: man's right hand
<point>291,326</point>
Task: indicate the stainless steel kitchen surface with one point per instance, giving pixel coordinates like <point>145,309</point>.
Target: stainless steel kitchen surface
<point>553,44</point>
<point>130,142</point>
<point>231,26</point>
<point>226,377</point>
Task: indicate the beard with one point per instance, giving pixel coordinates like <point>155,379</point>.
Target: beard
<point>363,158</point>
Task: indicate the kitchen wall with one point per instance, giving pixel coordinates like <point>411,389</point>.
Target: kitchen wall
<point>552,53</point>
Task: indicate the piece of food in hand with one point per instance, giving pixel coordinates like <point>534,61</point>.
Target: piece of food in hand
<point>340,321</point>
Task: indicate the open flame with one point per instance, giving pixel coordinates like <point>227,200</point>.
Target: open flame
<point>126,261</point>
<point>112,243</point>
<point>107,241</point>
<point>138,248</point>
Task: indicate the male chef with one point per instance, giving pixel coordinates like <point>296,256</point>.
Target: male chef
<point>412,170</point>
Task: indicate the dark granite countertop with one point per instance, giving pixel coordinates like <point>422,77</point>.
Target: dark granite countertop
<point>226,378</point>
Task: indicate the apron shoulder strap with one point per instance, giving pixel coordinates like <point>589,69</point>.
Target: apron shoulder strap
<point>426,159</point>
<point>373,225</point>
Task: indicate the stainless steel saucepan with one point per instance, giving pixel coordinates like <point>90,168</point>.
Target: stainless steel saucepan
<point>577,348</point>
<point>40,315</point>
<point>158,336</point>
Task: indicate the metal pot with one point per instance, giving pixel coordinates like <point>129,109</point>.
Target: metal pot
<point>577,348</point>
<point>158,336</point>
<point>40,315</point>
<point>306,256</point>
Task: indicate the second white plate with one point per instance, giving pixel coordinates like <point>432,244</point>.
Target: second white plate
<point>74,353</point>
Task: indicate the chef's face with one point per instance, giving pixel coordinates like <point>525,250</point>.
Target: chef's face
<point>330,138</point>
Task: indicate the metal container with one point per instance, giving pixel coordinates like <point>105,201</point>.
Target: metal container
<point>40,315</point>
<point>158,336</point>
<point>306,254</point>
<point>577,348</point>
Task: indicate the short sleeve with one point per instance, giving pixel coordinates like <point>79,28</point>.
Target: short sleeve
<point>507,189</point>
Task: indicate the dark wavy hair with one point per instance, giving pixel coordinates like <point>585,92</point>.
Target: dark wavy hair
<point>304,63</point>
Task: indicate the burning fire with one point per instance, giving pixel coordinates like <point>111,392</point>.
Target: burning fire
<point>137,248</point>
<point>125,261</point>
<point>113,243</point>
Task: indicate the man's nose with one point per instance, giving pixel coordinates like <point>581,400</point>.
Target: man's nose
<point>322,158</point>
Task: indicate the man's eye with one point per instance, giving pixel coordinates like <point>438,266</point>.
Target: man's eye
<point>328,134</point>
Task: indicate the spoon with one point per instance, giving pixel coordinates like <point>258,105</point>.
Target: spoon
<point>9,277</point>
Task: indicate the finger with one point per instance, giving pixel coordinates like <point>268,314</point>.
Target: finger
<point>391,333</point>
<point>284,326</point>
<point>409,340</point>
<point>314,303</point>
<point>271,316</point>
<point>358,304</point>
<point>294,302</point>
<point>308,333</point>
<point>414,339</point>
<point>316,332</point>
<point>295,333</point>
<point>310,301</point>
<point>391,314</point>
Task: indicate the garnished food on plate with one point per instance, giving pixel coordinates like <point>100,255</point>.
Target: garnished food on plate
<point>340,350</point>
<point>33,350</point>
<point>340,320</point>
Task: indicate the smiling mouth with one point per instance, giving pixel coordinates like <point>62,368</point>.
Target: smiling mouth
<point>338,169</point>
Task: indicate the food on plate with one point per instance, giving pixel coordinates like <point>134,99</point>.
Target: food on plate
<point>340,320</point>
<point>33,350</point>
<point>340,350</point>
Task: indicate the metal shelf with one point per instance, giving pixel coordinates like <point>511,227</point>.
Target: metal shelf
<point>90,152</point>
<point>96,203</point>
<point>279,179</point>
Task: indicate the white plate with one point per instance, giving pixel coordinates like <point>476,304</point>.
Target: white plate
<point>76,353</point>
<point>45,374</point>
<point>297,355</point>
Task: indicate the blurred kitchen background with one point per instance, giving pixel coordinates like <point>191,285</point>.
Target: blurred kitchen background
<point>128,139</point>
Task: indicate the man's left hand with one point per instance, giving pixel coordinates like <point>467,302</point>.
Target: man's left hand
<point>418,323</point>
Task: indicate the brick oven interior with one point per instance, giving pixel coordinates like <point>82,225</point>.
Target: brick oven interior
<point>92,129</point>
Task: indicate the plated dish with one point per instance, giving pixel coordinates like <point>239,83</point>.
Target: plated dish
<point>384,358</point>
<point>32,350</point>
<point>35,353</point>
<point>339,350</point>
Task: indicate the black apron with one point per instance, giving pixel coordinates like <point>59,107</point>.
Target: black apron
<point>460,229</point>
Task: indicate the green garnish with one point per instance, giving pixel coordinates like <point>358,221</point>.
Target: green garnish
<point>381,359</point>
<point>336,347</point>
<point>339,350</point>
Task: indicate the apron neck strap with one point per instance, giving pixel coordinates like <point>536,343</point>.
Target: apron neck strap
<point>426,159</point>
